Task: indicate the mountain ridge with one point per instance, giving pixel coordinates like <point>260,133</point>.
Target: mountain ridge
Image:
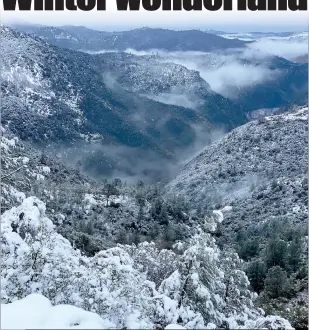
<point>136,38</point>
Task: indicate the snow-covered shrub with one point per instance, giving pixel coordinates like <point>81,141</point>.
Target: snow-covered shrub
<point>42,261</point>
<point>195,285</point>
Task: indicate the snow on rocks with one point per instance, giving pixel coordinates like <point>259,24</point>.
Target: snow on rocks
<point>45,169</point>
<point>219,215</point>
<point>212,222</point>
<point>25,160</point>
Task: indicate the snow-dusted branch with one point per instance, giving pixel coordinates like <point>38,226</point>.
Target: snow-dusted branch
<point>18,169</point>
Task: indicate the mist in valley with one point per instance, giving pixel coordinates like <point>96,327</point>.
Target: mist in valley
<point>227,73</point>
<point>100,162</point>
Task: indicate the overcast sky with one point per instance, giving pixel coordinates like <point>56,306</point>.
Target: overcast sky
<point>116,20</point>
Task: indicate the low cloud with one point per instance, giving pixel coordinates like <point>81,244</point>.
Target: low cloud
<point>280,47</point>
<point>203,139</point>
<point>96,52</point>
<point>100,161</point>
<point>232,77</point>
<point>180,100</point>
<point>107,161</point>
<point>228,72</point>
<point>225,72</point>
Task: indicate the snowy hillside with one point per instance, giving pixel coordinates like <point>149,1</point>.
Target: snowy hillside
<point>92,215</point>
<point>192,284</point>
<point>190,288</point>
<point>27,82</point>
<point>30,81</point>
<point>161,78</point>
<point>255,180</point>
<point>60,98</point>
<point>250,157</point>
<point>24,167</point>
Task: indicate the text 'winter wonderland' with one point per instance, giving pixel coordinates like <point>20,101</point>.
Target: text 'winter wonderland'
<point>153,5</point>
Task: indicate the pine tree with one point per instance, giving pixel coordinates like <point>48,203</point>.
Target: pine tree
<point>256,272</point>
<point>276,253</point>
<point>294,254</point>
<point>276,282</point>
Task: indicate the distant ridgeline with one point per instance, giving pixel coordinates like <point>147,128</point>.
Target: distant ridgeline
<point>152,5</point>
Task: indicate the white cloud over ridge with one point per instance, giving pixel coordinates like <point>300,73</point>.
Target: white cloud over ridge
<point>224,72</point>
<point>285,48</point>
<point>181,100</point>
<point>234,76</point>
<point>227,72</point>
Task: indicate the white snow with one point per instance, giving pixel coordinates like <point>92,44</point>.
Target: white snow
<point>25,160</point>
<point>6,143</point>
<point>174,327</point>
<point>227,208</point>
<point>300,114</point>
<point>36,312</point>
<point>219,215</point>
<point>20,196</point>
<point>90,199</point>
<point>46,169</point>
<point>39,177</point>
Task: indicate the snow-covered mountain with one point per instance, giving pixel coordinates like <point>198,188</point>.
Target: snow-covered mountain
<point>255,179</point>
<point>253,81</point>
<point>249,80</point>
<point>251,159</point>
<point>53,95</point>
<point>148,106</point>
<point>75,37</point>
<point>162,79</point>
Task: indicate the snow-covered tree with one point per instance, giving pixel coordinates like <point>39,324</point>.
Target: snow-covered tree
<point>193,285</point>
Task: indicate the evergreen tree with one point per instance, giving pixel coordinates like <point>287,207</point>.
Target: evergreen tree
<point>249,248</point>
<point>256,272</point>
<point>276,253</point>
<point>109,190</point>
<point>294,254</point>
<point>276,282</point>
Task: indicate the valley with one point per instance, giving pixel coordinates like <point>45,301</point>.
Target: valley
<point>100,104</point>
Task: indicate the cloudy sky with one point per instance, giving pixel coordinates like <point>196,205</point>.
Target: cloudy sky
<point>115,20</point>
